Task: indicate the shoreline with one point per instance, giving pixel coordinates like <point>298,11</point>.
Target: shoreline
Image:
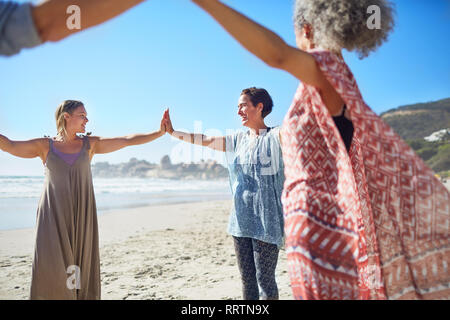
<point>20,196</point>
<point>172,251</point>
<point>196,198</point>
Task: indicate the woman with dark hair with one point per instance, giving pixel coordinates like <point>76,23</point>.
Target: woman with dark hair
<point>66,262</point>
<point>256,181</point>
<point>365,218</point>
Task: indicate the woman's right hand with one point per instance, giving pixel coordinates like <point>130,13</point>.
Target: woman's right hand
<point>215,143</point>
<point>168,122</point>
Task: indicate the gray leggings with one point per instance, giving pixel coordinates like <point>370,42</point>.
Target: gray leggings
<point>257,261</point>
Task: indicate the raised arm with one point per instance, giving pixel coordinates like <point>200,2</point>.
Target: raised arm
<point>107,145</point>
<point>270,48</point>
<point>25,149</point>
<point>264,43</point>
<point>50,16</point>
<point>215,143</point>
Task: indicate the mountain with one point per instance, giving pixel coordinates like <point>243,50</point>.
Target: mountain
<point>165,169</point>
<point>419,120</point>
<point>425,127</point>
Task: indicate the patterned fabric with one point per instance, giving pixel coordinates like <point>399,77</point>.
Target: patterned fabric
<point>255,167</point>
<point>17,29</point>
<point>371,224</point>
<point>257,261</point>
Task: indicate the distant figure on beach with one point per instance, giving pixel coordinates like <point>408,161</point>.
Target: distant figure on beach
<point>66,261</point>
<point>26,25</point>
<point>365,218</point>
<point>255,167</point>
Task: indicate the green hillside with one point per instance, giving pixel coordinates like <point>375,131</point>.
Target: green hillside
<point>419,120</point>
<point>414,122</point>
<point>436,154</point>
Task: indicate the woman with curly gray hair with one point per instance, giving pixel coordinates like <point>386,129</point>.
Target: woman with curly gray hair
<point>364,217</point>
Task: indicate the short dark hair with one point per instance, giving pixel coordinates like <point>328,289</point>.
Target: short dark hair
<point>259,95</point>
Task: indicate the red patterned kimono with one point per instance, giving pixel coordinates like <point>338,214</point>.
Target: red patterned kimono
<point>369,224</point>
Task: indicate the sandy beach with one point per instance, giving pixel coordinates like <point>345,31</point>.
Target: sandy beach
<point>178,251</point>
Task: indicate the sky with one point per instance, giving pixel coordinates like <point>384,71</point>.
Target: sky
<point>169,53</point>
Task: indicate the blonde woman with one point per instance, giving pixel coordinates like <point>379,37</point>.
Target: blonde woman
<point>66,259</point>
<point>365,218</point>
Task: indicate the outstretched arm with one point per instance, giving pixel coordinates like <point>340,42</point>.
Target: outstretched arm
<point>215,143</point>
<point>264,43</point>
<point>50,16</point>
<point>107,145</point>
<point>273,50</point>
<point>25,149</point>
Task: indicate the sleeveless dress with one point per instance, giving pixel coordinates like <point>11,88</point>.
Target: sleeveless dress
<point>372,223</point>
<point>66,262</point>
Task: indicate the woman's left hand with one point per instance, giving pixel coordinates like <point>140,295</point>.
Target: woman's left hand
<point>168,122</point>
<point>163,126</point>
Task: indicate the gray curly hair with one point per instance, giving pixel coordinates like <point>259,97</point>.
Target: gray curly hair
<point>342,24</point>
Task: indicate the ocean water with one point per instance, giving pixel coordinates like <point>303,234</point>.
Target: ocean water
<point>19,195</point>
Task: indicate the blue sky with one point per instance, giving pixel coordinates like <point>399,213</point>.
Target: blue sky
<point>168,53</point>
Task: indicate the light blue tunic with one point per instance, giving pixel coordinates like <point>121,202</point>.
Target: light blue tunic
<point>256,172</point>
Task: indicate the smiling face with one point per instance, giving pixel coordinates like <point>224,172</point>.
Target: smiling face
<point>76,122</point>
<point>250,114</point>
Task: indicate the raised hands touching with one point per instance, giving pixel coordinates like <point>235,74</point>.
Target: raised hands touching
<point>215,143</point>
<point>167,122</point>
<point>163,127</point>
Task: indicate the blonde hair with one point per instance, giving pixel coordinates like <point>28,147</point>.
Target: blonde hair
<point>342,24</point>
<point>67,106</point>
